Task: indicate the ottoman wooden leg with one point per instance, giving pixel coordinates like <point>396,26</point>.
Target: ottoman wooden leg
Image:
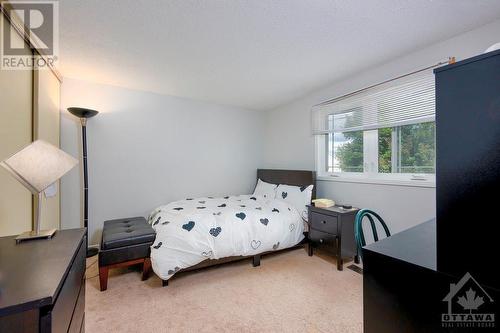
<point>103,277</point>
<point>146,268</point>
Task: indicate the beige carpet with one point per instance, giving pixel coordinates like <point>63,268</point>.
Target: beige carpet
<point>289,292</point>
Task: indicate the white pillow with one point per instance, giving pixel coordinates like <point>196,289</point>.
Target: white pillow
<point>267,190</point>
<point>297,196</point>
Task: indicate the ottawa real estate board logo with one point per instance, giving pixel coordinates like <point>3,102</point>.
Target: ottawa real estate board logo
<point>469,305</point>
<point>36,21</point>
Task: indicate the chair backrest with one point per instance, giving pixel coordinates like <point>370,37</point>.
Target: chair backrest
<point>358,228</point>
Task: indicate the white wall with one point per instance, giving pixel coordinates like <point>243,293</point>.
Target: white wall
<point>147,149</point>
<point>289,143</point>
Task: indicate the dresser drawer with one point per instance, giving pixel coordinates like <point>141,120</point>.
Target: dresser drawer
<point>66,301</point>
<point>79,313</point>
<point>325,223</point>
<point>322,237</point>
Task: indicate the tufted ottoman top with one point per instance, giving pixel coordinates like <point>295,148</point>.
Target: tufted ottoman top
<point>126,232</point>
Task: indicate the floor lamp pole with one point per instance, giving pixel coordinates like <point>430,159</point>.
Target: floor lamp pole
<point>90,251</point>
<point>83,114</point>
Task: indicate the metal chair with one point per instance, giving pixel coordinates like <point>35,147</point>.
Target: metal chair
<point>358,228</point>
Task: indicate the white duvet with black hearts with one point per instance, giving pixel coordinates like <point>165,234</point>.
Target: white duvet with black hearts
<point>192,230</point>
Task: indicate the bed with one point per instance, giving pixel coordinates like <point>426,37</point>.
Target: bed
<point>199,232</point>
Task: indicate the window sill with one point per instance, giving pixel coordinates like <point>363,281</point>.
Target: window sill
<point>379,181</point>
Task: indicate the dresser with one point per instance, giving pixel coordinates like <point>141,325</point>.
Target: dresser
<point>42,286</point>
<point>404,291</point>
<point>333,229</point>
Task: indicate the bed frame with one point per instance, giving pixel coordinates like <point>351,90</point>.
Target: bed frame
<point>288,177</point>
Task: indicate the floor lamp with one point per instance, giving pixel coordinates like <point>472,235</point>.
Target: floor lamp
<point>84,114</point>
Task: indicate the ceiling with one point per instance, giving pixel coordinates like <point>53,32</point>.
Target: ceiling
<point>255,54</point>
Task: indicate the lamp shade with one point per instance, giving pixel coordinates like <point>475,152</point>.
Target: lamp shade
<point>82,112</point>
<point>39,165</point>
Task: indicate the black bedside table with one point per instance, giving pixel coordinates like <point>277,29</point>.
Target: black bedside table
<point>333,228</point>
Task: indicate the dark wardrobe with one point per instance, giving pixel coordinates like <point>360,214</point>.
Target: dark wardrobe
<point>437,276</point>
<point>468,168</point>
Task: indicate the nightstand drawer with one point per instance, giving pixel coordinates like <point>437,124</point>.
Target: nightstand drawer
<point>321,237</point>
<point>325,223</point>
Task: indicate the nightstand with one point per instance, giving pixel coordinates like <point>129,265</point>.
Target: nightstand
<point>333,228</point>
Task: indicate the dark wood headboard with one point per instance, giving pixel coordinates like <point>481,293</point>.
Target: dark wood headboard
<point>289,177</point>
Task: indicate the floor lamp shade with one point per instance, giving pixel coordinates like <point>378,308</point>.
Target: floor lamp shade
<point>37,166</point>
<point>84,114</point>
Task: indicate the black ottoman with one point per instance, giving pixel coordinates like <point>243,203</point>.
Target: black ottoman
<point>125,242</point>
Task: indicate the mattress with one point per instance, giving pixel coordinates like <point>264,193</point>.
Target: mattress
<point>192,230</point>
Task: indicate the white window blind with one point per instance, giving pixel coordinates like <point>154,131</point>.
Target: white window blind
<point>404,101</point>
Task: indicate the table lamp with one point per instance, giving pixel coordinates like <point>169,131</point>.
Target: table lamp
<point>38,166</point>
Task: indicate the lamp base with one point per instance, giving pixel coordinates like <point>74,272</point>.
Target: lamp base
<point>29,235</point>
<point>92,251</point>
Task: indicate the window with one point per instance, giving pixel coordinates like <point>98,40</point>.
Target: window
<point>345,152</point>
<point>407,149</point>
<point>382,134</point>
